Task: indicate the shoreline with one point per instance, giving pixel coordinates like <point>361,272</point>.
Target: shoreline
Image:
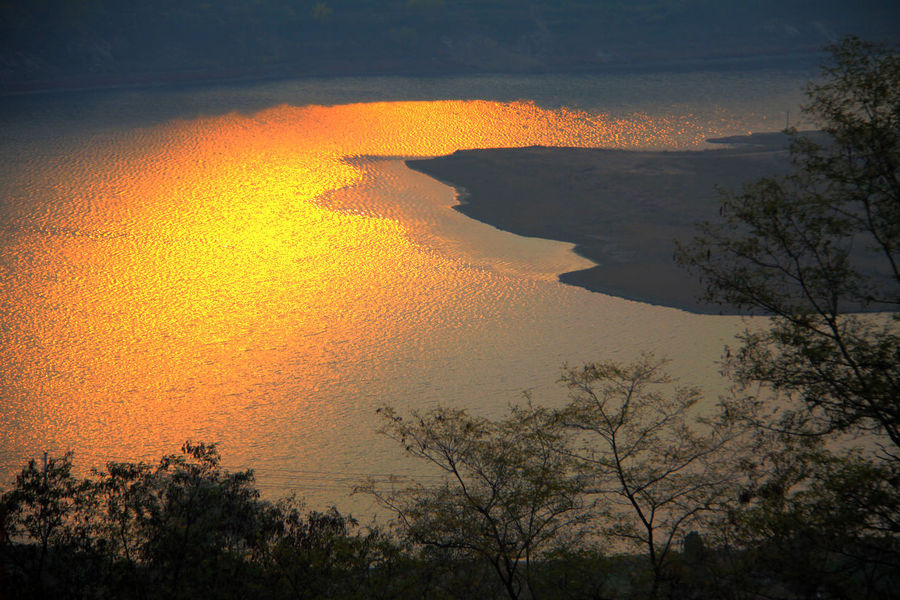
<point>622,209</point>
<point>88,81</point>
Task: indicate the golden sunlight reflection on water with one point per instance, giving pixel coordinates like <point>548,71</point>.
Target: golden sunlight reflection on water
<point>261,281</point>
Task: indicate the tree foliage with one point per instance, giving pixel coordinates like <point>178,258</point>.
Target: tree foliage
<point>813,523</point>
<point>818,246</point>
<point>657,469</point>
<point>818,252</point>
<point>182,528</point>
<point>48,506</point>
<point>507,495</point>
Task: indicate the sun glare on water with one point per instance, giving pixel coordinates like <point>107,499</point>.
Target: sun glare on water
<point>164,270</point>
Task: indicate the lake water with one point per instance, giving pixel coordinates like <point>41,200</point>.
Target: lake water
<point>255,265</point>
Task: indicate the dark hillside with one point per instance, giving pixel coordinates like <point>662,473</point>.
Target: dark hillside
<point>60,43</point>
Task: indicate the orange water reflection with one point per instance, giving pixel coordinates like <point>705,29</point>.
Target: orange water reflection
<point>154,274</point>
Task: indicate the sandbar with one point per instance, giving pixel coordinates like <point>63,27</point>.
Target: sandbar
<point>623,209</point>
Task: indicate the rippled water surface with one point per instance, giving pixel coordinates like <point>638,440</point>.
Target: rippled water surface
<point>256,265</point>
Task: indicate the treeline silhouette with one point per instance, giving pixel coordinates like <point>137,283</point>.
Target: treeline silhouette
<point>185,528</point>
<point>182,528</point>
<point>109,42</point>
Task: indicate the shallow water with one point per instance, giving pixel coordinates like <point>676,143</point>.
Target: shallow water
<point>242,265</point>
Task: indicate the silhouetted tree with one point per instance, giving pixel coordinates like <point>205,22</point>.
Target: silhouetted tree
<point>657,470</point>
<point>183,528</point>
<point>507,495</point>
<point>812,250</point>
<point>53,508</point>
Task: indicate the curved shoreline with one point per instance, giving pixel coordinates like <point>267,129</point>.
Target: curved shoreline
<point>621,209</point>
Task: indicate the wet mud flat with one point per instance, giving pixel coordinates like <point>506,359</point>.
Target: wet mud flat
<point>623,209</point>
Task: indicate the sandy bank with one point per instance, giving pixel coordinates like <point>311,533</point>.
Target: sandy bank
<point>622,209</point>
